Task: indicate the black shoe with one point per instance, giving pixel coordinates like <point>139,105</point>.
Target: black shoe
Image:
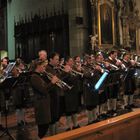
<point>128,107</point>
<point>95,121</point>
<point>100,118</point>
<point>68,129</point>
<point>2,128</point>
<point>133,106</point>
<point>104,116</point>
<point>114,113</point>
<point>75,127</point>
<point>109,112</point>
<point>89,123</point>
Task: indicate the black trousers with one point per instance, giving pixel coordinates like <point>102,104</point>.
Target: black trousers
<point>42,130</point>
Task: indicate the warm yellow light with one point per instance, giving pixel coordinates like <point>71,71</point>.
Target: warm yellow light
<point>3,54</point>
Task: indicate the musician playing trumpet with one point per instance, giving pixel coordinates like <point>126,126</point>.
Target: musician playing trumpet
<point>103,90</point>
<point>90,96</point>
<point>55,93</point>
<point>113,82</point>
<point>42,99</point>
<point>129,81</point>
<point>71,97</point>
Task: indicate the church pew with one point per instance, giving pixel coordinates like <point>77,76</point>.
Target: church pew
<point>122,127</point>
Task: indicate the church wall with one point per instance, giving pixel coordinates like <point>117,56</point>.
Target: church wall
<point>17,9</point>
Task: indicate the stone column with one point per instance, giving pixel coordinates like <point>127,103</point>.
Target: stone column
<point>94,10</point>
<point>125,30</point>
<point>138,40</point>
<point>78,34</point>
<point>120,23</point>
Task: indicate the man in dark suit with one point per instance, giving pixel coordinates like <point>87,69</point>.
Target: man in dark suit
<point>113,82</point>
<point>53,68</point>
<point>41,90</point>
<point>129,81</point>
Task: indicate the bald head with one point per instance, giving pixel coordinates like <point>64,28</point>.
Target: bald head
<point>42,55</point>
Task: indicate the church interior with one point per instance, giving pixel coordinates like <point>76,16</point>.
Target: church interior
<point>72,69</point>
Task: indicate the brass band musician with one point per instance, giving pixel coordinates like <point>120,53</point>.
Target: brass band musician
<point>129,82</point>
<point>71,97</point>
<point>113,82</point>
<point>42,99</point>
<point>91,98</point>
<point>103,90</point>
<point>53,68</point>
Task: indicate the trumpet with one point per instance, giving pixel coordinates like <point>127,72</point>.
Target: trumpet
<point>60,83</point>
<point>121,64</point>
<point>73,72</point>
<point>137,63</point>
<point>112,65</point>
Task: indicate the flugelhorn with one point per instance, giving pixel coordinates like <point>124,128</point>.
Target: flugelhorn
<point>60,83</point>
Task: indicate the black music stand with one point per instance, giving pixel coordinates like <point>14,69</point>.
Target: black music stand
<point>6,83</point>
<point>22,78</point>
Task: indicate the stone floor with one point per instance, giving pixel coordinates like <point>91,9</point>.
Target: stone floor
<point>29,131</point>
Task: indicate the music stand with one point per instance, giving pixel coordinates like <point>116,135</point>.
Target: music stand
<point>7,82</point>
<point>22,78</point>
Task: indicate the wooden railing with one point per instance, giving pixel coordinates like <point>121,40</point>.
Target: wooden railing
<point>123,127</point>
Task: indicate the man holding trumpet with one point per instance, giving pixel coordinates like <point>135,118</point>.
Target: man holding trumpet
<point>41,90</point>
<point>53,69</point>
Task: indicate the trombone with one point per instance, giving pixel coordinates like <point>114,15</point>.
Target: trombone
<point>60,83</point>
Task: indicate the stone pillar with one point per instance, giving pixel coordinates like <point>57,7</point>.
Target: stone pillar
<point>94,10</point>
<point>125,29</point>
<point>78,34</point>
<point>138,40</point>
<point>120,23</point>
